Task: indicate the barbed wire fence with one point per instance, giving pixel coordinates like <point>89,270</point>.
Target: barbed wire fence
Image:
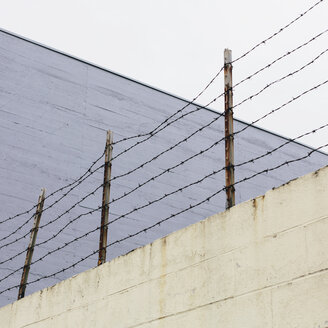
<point>17,237</point>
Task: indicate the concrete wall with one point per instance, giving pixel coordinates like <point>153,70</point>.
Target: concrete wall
<point>262,264</point>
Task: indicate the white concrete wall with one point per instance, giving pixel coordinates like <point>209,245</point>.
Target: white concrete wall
<point>263,263</point>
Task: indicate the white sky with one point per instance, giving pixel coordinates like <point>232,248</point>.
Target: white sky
<point>177,46</point>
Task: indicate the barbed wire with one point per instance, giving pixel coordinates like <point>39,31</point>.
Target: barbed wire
<point>158,199</point>
<point>55,235</point>
<point>278,32</point>
<point>51,205</point>
<point>56,191</point>
<point>187,186</point>
<point>200,129</point>
<point>158,223</point>
<point>282,106</point>
<point>160,128</point>
<point>197,131</point>
<point>221,69</point>
<point>215,172</point>
<point>288,53</point>
<point>236,85</point>
<point>217,192</point>
<point>247,125</point>
<point>152,132</point>
<point>185,139</point>
<point>270,152</point>
<point>216,118</point>
<point>284,77</point>
<point>50,222</point>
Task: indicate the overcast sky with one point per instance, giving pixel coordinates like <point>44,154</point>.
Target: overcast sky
<point>177,46</point>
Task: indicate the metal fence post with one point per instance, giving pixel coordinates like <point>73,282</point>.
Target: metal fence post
<point>229,137</point>
<point>105,199</point>
<point>30,249</point>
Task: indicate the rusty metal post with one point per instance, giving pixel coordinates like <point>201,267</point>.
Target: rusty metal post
<point>30,249</point>
<point>105,199</point>
<point>229,137</point>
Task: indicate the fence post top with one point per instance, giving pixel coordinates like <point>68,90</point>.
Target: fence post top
<point>227,56</point>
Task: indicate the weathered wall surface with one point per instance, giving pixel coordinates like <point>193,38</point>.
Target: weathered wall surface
<point>263,263</point>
